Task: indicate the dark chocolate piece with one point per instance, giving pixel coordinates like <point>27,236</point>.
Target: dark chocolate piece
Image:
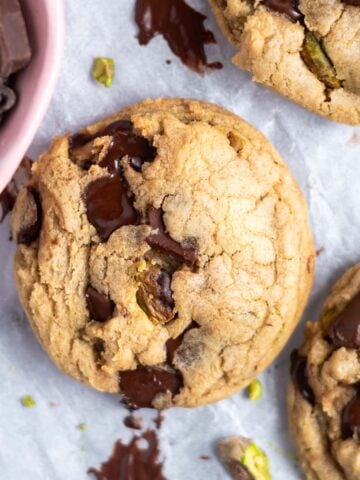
<point>174,343</point>
<point>31,229</point>
<point>100,306</point>
<point>300,377</point>
<point>132,422</point>
<point>288,7</point>
<point>350,418</point>
<point>354,3</point>
<point>155,218</point>
<point>344,330</point>
<point>133,461</point>
<point>164,243</point>
<point>15,50</point>
<point>181,26</point>
<point>80,139</point>
<point>141,386</point>
<point>108,205</point>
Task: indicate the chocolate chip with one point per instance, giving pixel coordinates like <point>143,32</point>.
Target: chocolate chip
<point>154,295</point>
<point>288,7</point>
<point>300,377</point>
<point>142,385</point>
<point>174,343</point>
<point>344,330</point>
<point>155,218</point>
<point>355,3</point>
<point>31,217</point>
<point>161,241</point>
<point>100,306</point>
<point>108,205</point>
<point>350,418</point>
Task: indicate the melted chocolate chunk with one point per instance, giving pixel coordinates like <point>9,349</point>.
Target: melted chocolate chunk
<point>141,386</point>
<point>344,330</point>
<point>132,461</point>
<point>108,205</point>
<point>154,295</point>
<point>31,229</point>
<point>351,418</point>
<point>80,139</point>
<point>132,422</point>
<point>288,7</point>
<point>181,26</point>
<point>100,306</point>
<point>174,343</point>
<point>155,218</point>
<point>164,243</point>
<point>300,377</point>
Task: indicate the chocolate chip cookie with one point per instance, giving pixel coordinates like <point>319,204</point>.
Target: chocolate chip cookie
<point>307,50</point>
<point>163,253</point>
<point>324,394</point>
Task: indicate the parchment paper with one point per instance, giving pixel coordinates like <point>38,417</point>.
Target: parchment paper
<point>43,443</point>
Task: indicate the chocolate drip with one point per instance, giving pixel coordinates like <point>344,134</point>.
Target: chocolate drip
<point>181,26</point>
<point>300,377</point>
<point>132,461</point>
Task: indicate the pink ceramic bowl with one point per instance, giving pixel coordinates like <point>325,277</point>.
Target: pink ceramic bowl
<point>35,84</point>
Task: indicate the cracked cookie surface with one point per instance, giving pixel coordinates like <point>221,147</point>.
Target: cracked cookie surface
<point>324,395</point>
<point>174,256</point>
<point>272,37</point>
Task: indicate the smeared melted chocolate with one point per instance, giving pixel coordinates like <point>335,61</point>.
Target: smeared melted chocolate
<point>181,26</point>
<point>132,461</point>
<point>287,7</point>
<point>174,343</point>
<point>141,386</point>
<point>109,206</point>
<point>344,330</point>
<point>100,306</point>
<point>300,377</point>
<point>350,419</point>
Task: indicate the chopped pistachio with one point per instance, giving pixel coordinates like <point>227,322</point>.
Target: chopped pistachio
<point>242,457</point>
<point>256,461</point>
<point>82,427</point>
<point>255,390</point>
<point>28,401</point>
<point>318,62</point>
<point>104,71</point>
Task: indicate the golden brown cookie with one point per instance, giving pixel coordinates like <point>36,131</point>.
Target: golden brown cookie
<point>307,50</point>
<point>164,253</point>
<point>324,394</point>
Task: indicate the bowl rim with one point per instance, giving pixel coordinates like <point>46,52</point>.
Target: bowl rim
<point>42,93</point>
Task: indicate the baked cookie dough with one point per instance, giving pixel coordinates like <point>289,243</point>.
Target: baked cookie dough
<point>164,253</point>
<point>307,50</point>
<point>324,394</point>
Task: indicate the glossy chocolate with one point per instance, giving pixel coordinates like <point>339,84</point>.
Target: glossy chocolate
<point>80,139</point>
<point>181,26</point>
<point>344,330</point>
<point>108,205</point>
<point>100,306</point>
<point>141,386</point>
<point>350,419</point>
<point>300,377</point>
<point>287,7</point>
<point>132,461</point>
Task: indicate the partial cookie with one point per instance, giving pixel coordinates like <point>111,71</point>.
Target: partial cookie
<point>164,253</point>
<point>324,393</point>
<point>307,50</point>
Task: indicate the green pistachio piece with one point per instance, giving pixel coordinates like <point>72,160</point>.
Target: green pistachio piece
<point>256,461</point>
<point>28,401</point>
<point>318,62</point>
<point>243,459</point>
<point>255,390</point>
<point>104,71</point>
<point>81,427</point>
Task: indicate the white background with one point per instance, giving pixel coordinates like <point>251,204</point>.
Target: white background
<point>43,443</point>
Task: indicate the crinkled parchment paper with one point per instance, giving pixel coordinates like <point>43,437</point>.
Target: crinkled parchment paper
<point>43,443</point>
